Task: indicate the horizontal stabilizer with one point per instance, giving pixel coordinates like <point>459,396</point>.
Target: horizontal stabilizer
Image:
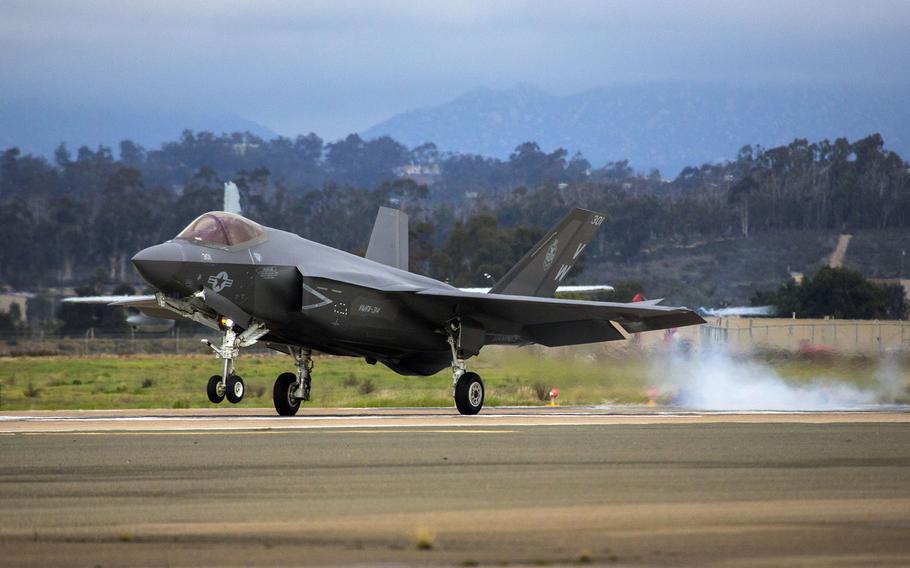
<point>563,333</point>
<point>389,239</point>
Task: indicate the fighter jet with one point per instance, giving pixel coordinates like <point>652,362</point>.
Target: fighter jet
<point>253,283</point>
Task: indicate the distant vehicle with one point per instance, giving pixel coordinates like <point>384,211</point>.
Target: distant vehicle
<point>257,284</point>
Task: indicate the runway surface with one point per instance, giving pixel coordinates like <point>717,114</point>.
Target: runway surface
<point>617,486</point>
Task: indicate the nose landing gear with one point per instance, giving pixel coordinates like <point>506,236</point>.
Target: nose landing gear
<point>230,385</point>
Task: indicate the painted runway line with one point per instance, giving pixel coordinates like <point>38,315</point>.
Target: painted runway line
<point>385,419</point>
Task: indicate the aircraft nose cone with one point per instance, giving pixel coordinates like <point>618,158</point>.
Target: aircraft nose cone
<point>159,264</point>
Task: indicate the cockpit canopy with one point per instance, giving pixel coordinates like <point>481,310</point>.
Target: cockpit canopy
<point>222,229</point>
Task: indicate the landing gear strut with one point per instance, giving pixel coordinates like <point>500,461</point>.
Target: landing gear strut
<point>291,389</point>
<point>229,384</point>
<point>467,387</point>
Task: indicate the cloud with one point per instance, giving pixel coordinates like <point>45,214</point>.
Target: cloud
<point>337,66</point>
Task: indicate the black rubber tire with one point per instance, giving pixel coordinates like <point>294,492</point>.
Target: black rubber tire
<point>464,389</point>
<point>235,389</point>
<point>212,389</point>
<point>283,395</point>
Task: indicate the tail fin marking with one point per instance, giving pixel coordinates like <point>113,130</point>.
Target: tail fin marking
<point>541,271</point>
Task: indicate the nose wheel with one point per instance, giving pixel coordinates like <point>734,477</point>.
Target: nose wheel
<point>215,389</point>
<point>233,389</point>
<point>229,384</point>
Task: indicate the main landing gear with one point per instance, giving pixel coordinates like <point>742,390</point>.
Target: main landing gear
<point>229,384</point>
<point>467,387</point>
<point>290,389</point>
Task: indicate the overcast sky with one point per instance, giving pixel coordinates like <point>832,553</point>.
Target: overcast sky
<point>334,67</point>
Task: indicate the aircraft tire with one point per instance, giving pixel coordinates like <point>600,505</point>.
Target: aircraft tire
<point>286,404</point>
<point>235,389</point>
<point>213,389</point>
<point>469,393</point>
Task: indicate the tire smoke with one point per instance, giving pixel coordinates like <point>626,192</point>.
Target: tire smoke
<point>713,379</point>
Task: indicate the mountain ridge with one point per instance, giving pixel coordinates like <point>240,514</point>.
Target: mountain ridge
<point>662,125</point>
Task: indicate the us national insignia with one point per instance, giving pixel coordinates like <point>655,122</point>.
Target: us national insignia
<point>551,254</point>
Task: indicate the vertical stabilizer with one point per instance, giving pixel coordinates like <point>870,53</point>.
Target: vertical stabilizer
<point>543,269</point>
<point>389,239</point>
<point>231,198</point>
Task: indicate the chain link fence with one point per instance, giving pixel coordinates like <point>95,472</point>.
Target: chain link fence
<point>736,334</point>
<point>102,342</point>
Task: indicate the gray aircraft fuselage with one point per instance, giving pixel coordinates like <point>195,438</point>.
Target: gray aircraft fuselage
<point>309,294</point>
<point>298,295</point>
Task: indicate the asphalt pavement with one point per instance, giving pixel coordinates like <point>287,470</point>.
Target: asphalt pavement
<point>515,486</point>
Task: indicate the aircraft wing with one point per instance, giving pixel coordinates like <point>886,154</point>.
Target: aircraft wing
<point>147,304</point>
<point>125,301</point>
<point>570,289</point>
<point>554,322</point>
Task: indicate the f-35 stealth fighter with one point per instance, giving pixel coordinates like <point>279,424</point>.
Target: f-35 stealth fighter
<point>257,284</point>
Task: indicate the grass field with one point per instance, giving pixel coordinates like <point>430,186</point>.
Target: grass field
<point>167,381</point>
<point>512,377</point>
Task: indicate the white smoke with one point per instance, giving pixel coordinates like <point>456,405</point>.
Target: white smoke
<point>715,380</point>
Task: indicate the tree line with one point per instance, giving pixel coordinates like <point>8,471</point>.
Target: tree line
<point>77,219</point>
<point>836,292</point>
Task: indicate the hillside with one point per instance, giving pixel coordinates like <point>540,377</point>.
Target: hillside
<point>729,271</point>
<point>663,126</point>
<point>880,253</point>
<point>719,272</point>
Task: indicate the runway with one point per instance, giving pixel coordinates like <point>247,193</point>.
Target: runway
<point>613,486</point>
<point>240,418</point>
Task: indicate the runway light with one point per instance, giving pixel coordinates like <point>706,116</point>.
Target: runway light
<point>225,322</point>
